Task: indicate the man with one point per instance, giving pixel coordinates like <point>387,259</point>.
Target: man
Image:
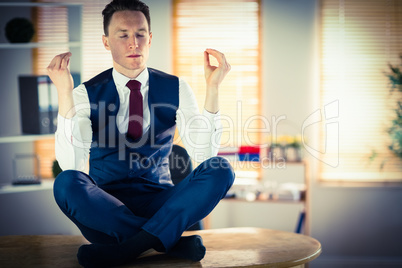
<point>125,118</point>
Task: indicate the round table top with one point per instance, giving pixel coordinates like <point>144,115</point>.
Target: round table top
<point>228,247</point>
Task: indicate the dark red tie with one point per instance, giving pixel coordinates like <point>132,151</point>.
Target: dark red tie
<point>135,110</point>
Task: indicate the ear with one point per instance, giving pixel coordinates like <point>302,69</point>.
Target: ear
<point>150,39</point>
<point>105,41</point>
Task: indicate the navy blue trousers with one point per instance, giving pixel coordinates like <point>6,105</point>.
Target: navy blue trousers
<point>112,214</point>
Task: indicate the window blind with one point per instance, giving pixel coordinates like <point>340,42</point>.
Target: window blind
<point>232,27</point>
<point>358,40</point>
<point>94,55</point>
<point>52,26</point>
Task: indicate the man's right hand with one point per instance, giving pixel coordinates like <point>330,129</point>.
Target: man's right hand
<point>60,75</point>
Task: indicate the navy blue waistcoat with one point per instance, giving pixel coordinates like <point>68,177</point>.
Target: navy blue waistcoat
<point>114,157</point>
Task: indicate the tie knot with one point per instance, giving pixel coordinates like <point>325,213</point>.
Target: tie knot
<point>133,85</point>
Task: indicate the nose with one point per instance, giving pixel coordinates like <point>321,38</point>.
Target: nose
<point>133,43</point>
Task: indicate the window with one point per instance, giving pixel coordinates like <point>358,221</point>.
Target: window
<point>232,27</point>
<point>358,40</point>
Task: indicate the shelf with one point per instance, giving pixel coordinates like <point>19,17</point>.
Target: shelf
<point>14,141</point>
<point>28,4</point>
<point>277,201</point>
<point>25,138</point>
<point>47,184</point>
<point>38,45</point>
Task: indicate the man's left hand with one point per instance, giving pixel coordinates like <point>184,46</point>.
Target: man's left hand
<point>214,75</point>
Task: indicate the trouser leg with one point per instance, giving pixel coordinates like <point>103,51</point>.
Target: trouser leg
<point>165,213</point>
<point>101,217</point>
<point>191,200</point>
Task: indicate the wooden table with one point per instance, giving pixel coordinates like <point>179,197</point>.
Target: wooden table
<point>229,247</point>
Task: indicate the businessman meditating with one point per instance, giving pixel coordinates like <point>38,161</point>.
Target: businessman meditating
<point>124,121</point>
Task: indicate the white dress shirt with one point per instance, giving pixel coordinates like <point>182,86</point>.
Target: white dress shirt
<point>200,133</point>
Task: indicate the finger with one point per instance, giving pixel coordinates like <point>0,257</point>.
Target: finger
<point>53,63</point>
<point>206,59</point>
<point>223,63</point>
<point>217,55</point>
<point>63,64</point>
<point>57,61</point>
<point>65,60</point>
<point>66,56</point>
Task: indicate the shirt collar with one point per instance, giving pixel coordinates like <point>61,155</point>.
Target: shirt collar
<point>121,80</point>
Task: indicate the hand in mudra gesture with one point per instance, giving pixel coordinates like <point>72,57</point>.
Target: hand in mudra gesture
<point>59,73</point>
<point>214,75</point>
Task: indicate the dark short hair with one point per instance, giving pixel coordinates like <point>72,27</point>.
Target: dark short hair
<point>121,5</point>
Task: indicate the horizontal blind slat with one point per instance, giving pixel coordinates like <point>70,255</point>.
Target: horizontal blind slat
<point>199,24</point>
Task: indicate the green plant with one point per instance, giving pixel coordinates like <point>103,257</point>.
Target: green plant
<point>395,131</point>
<point>56,170</point>
<point>395,76</point>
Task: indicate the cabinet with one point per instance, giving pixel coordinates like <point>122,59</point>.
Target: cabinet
<point>17,59</point>
<point>279,212</point>
<point>31,210</point>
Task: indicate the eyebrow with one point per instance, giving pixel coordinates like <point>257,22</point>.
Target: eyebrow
<point>124,30</point>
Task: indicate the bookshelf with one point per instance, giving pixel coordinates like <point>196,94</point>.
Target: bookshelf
<point>18,59</point>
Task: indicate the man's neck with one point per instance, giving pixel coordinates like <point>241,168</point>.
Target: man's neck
<point>132,74</point>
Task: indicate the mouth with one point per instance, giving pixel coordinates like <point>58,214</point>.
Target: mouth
<point>134,56</point>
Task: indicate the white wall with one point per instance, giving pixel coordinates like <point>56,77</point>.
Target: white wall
<point>160,55</point>
<point>287,57</point>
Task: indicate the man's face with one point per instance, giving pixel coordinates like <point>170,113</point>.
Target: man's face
<point>129,41</point>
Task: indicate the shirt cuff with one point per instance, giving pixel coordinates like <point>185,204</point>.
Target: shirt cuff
<point>214,119</point>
